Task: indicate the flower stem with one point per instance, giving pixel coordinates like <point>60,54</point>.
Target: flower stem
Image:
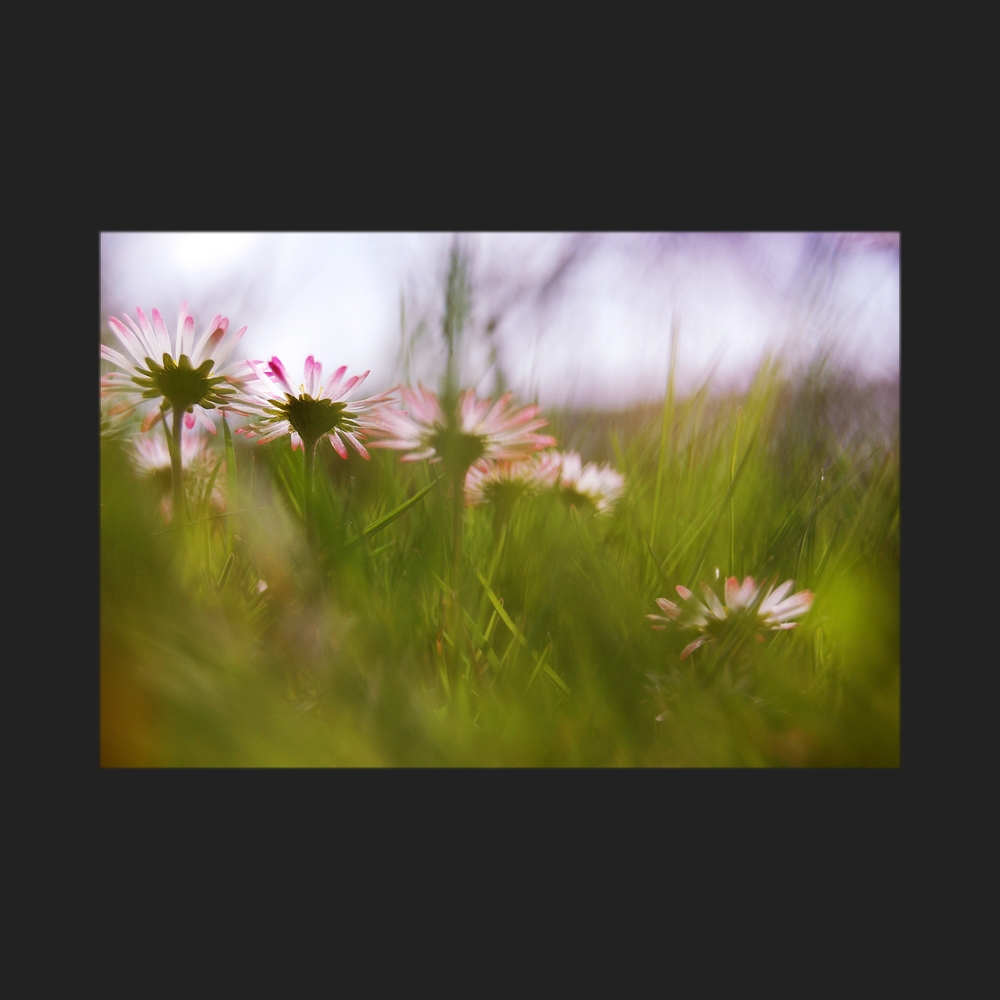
<point>457,511</point>
<point>309,447</point>
<point>456,625</point>
<point>180,509</point>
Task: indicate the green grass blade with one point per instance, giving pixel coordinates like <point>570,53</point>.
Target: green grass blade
<point>539,664</point>
<point>226,570</point>
<point>230,456</point>
<point>504,617</point>
<point>729,493</point>
<point>773,550</point>
<point>556,679</point>
<point>494,618</point>
<point>383,522</point>
<point>292,494</point>
<point>689,537</point>
<point>230,476</point>
<point>478,636</point>
<point>494,562</point>
<point>665,427</point>
<point>203,505</point>
<point>826,555</point>
<point>659,570</point>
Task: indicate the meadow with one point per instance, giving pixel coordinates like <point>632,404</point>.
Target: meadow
<point>372,636</point>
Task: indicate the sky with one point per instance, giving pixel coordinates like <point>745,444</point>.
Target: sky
<point>570,318</point>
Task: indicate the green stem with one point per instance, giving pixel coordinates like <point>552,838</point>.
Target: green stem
<point>457,513</point>
<point>180,508</point>
<point>309,447</point>
<point>456,624</point>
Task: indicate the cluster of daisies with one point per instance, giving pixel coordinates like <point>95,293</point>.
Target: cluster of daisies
<point>494,446</point>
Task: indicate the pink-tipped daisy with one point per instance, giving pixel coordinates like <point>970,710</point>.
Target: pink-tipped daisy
<point>599,485</point>
<point>488,481</point>
<point>186,375</point>
<point>744,607</point>
<point>150,454</point>
<point>150,457</point>
<point>314,411</point>
<point>479,429</point>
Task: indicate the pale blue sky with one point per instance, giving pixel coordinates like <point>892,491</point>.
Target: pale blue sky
<point>599,337</point>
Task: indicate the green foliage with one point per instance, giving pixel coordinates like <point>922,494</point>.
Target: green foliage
<point>364,651</point>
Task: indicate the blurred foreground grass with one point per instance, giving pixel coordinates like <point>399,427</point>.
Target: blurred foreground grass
<point>342,659</point>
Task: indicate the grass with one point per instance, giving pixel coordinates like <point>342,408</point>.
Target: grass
<point>346,658</point>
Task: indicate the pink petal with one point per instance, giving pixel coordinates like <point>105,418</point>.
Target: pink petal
<point>334,381</point>
<point>775,597</point>
<point>110,354</point>
<point>732,592</point>
<point>128,339</point>
<point>347,387</point>
<point>713,602</point>
<point>359,447</point>
<point>313,372</point>
<point>152,418</point>
<point>691,647</point>
<point>684,592</point>
<point>360,379</point>
<point>162,334</point>
<point>797,604</point>
<point>181,320</point>
<point>209,340</point>
<point>189,420</point>
<point>296,441</point>
<point>147,330</point>
<point>278,371</point>
<point>266,381</point>
<point>187,337</point>
<point>225,350</point>
<point>205,420</point>
<point>279,430</point>
<point>338,445</point>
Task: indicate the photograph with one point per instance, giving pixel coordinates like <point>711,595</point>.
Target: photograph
<point>499,499</point>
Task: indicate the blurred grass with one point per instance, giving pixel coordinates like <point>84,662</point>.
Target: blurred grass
<point>339,661</point>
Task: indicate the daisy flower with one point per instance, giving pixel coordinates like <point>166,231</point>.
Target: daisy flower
<point>480,429</point>
<point>316,410</point>
<point>497,481</point>
<point>188,378</point>
<point>599,485</point>
<point>185,375</point>
<point>475,430</point>
<point>150,456</point>
<point>744,605</point>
